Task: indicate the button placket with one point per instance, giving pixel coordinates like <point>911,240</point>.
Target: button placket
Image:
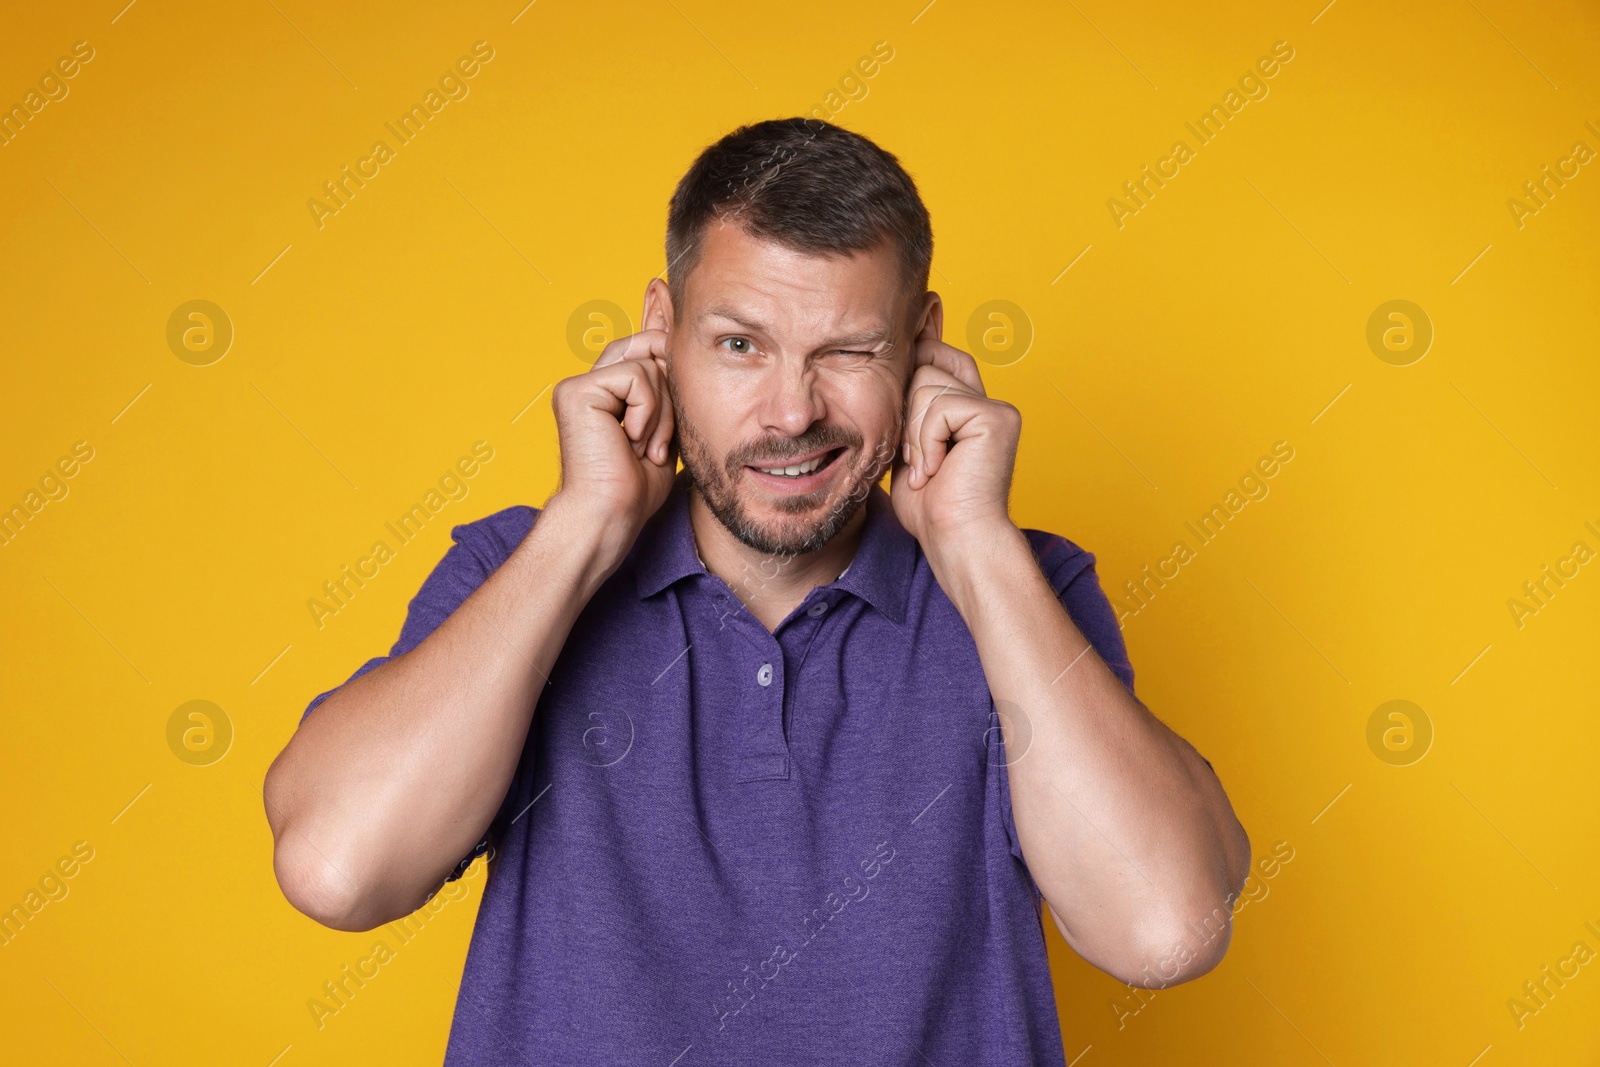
<point>764,755</point>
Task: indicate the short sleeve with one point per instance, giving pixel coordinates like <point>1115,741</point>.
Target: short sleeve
<point>1071,573</point>
<point>477,551</point>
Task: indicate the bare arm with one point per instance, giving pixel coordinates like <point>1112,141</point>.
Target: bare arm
<point>1127,832</point>
<point>396,776</point>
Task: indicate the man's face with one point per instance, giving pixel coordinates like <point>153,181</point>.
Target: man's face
<point>788,360</point>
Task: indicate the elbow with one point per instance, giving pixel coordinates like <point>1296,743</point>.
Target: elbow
<point>1236,855</point>
<point>316,890</point>
<point>1190,938</point>
<point>1187,935</point>
<point>319,888</point>
<point>1182,946</point>
<point>315,880</point>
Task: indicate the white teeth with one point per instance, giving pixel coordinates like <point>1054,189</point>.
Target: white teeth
<point>795,470</point>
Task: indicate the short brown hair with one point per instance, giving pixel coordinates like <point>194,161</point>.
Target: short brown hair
<point>807,184</point>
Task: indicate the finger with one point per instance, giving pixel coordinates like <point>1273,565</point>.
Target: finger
<point>639,345</point>
<point>951,360</point>
<point>644,405</point>
<point>899,469</point>
<point>946,415</point>
<point>645,349</point>
<point>667,424</point>
<point>651,368</point>
<point>657,434</point>
<point>922,394</point>
<point>624,392</point>
<point>939,378</point>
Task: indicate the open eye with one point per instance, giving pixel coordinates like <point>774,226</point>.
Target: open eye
<point>745,341</point>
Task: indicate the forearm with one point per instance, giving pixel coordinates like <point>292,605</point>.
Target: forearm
<point>1125,829</point>
<point>394,778</point>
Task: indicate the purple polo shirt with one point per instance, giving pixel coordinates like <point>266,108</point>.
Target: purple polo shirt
<point>728,846</point>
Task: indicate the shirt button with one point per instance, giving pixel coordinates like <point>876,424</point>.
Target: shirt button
<point>764,675</point>
<point>817,609</point>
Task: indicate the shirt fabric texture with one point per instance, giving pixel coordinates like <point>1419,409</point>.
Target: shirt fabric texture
<point>724,845</point>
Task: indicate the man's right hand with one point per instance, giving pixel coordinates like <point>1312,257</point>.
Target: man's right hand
<point>615,424</point>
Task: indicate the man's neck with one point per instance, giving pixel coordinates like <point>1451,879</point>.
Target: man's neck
<point>770,585</point>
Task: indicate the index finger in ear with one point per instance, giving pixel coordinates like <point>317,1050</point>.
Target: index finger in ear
<point>641,345</point>
<point>952,361</point>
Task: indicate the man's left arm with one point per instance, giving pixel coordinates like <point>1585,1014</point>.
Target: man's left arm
<point>1124,827</point>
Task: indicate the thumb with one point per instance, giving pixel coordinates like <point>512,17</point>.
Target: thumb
<point>899,470</point>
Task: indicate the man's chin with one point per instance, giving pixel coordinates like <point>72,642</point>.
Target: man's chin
<point>789,526</point>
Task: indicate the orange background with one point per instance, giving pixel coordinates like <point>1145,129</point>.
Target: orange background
<point>432,311</point>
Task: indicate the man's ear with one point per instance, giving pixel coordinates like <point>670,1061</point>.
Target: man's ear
<point>930,320</point>
<point>657,306</point>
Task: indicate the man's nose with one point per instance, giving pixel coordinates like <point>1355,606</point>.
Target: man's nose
<point>791,399</point>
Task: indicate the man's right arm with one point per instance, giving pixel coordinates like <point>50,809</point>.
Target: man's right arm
<point>401,770</point>
<point>397,774</point>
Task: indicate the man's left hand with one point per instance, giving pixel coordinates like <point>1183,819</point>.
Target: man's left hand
<point>952,478</point>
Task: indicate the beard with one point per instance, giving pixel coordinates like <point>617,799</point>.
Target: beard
<point>810,521</point>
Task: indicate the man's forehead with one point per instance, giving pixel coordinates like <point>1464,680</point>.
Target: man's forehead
<point>757,282</point>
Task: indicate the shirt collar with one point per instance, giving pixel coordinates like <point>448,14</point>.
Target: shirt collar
<point>880,572</point>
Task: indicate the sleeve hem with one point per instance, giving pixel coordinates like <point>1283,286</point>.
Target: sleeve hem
<point>461,868</point>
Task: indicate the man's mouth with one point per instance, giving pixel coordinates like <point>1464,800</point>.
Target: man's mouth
<point>799,474</point>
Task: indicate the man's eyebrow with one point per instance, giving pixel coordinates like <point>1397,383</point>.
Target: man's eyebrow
<point>722,312</point>
<point>870,336</point>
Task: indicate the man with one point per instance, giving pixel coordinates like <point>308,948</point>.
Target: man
<point>772,766</point>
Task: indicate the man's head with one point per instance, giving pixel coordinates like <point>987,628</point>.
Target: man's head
<point>797,258</point>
